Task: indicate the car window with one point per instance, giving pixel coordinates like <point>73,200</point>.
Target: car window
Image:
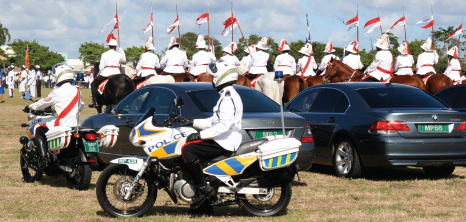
<point>133,103</point>
<point>161,100</point>
<point>399,98</point>
<point>449,96</point>
<point>304,101</point>
<point>329,101</point>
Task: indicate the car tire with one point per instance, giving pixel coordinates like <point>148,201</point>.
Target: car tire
<point>346,160</point>
<point>439,171</point>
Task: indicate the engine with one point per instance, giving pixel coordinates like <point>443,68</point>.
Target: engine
<point>184,191</point>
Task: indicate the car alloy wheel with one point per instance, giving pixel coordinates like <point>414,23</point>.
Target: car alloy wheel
<point>346,160</point>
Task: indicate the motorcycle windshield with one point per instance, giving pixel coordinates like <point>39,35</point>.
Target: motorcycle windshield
<point>148,114</point>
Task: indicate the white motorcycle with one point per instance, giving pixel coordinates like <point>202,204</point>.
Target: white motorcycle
<point>257,176</point>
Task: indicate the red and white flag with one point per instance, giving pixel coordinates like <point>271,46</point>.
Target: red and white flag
<point>113,21</point>
<point>202,19</point>
<point>175,24</point>
<point>401,21</point>
<point>229,24</point>
<point>373,23</point>
<point>353,22</point>
<point>428,20</point>
<point>456,33</point>
<point>282,44</point>
<point>150,25</point>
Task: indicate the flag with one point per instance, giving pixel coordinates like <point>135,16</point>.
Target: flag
<point>202,19</point>
<point>428,20</point>
<point>172,26</point>
<point>229,24</point>
<point>151,23</point>
<point>456,33</point>
<point>308,37</point>
<point>26,61</point>
<point>353,22</point>
<point>374,23</point>
<point>401,21</point>
<point>113,21</point>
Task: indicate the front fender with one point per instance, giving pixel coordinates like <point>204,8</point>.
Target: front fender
<point>132,162</point>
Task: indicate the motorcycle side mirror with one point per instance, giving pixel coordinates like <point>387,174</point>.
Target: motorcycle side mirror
<point>179,101</point>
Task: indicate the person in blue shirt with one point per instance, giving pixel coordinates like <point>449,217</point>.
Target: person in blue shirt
<point>2,90</point>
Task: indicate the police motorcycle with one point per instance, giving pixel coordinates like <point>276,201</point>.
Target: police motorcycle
<point>257,177</point>
<point>72,151</point>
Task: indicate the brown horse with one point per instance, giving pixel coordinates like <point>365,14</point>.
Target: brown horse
<point>314,80</point>
<point>242,80</point>
<point>183,77</point>
<point>409,80</point>
<point>437,82</point>
<point>293,86</point>
<point>339,72</point>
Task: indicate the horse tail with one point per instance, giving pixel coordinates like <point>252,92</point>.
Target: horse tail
<point>302,84</point>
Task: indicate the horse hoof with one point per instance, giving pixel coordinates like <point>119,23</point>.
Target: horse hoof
<point>91,106</point>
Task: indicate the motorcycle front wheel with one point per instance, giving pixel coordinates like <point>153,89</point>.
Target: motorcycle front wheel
<point>273,203</point>
<point>80,179</point>
<point>29,162</point>
<point>114,183</point>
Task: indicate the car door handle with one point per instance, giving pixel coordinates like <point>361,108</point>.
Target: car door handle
<point>331,120</point>
<point>129,120</point>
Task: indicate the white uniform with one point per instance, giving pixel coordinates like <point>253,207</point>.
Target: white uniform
<point>200,62</point>
<point>174,61</point>
<point>24,79</point>
<point>426,62</point>
<point>258,64</point>
<point>147,64</point>
<point>353,61</point>
<point>404,65</point>
<point>231,59</point>
<point>61,97</point>
<point>10,81</point>
<point>110,62</point>
<point>286,63</point>
<point>381,67</point>
<point>325,60</point>
<point>225,124</point>
<point>453,70</point>
<point>32,83</point>
<point>246,60</point>
<point>310,68</point>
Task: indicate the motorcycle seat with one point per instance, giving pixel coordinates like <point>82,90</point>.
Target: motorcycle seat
<point>244,148</point>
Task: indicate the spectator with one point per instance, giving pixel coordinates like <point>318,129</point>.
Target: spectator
<point>2,90</point>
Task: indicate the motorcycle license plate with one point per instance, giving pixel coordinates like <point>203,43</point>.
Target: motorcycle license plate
<point>265,133</point>
<point>433,128</point>
<point>91,147</point>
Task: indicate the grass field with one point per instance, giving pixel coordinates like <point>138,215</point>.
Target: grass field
<point>383,195</point>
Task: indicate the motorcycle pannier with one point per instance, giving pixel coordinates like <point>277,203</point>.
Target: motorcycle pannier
<point>58,138</point>
<point>278,153</point>
<point>108,136</point>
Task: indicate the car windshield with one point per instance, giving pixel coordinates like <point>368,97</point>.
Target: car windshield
<point>399,98</point>
<point>253,101</point>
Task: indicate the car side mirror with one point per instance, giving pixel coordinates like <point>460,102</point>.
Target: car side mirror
<point>179,101</point>
<point>109,110</point>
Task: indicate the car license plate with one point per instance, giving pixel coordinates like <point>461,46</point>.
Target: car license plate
<point>91,147</point>
<point>433,128</point>
<point>265,133</point>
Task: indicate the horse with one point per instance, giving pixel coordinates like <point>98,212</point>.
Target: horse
<point>409,80</point>
<point>183,77</point>
<point>436,82</point>
<point>314,80</point>
<point>339,72</point>
<point>117,87</point>
<point>293,85</point>
<point>203,77</point>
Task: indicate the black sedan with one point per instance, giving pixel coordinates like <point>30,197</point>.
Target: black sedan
<point>261,116</point>
<point>358,125</point>
<point>454,96</point>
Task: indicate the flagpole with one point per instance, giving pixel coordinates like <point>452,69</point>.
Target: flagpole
<point>233,23</point>
<point>433,37</point>
<point>460,35</point>
<point>308,29</point>
<point>118,22</point>
<point>208,26</point>
<point>179,33</point>
<point>406,40</point>
<point>381,32</point>
<point>151,15</point>
<point>357,27</point>
<point>242,35</point>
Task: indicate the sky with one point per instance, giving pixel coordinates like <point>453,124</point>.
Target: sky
<point>64,25</point>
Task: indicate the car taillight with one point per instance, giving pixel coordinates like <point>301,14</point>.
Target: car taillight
<point>90,136</point>
<point>307,139</point>
<point>462,126</point>
<point>388,127</point>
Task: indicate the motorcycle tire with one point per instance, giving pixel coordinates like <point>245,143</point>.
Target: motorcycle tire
<point>30,174</point>
<point>110,189</point>
<point>81,178</point>
<point>257,205</point>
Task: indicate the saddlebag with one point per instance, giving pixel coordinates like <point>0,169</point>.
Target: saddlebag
<point>278,153</point>
<point>58,137</point>
<point>108,136</point>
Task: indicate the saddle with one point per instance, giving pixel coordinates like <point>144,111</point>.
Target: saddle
<point>101,87</point>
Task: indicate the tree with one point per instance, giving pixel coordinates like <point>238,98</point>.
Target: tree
<point>90,52</point>
<point>4,35</point>
<point>443,44</point>
<point>132,55</point>
<point>38,54</point>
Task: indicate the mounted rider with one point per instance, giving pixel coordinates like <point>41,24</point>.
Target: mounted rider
<point>258,64</point>
<point>109,65</point>
<point>285,62</point>
<point>147,64</point>
<point>175,60</point>
<point>381,68</point>
<point>201,59</point>
<point>454,67</point>
<point>306,64</point>
<point>427,59</point>
<point>247,59</point>
<point>353,60</point>
<point>228,56</point>
<point>326,59</point>
<point>404,62</point>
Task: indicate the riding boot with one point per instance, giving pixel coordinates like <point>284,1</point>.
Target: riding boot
<point>45,159</point>
<point>203,190</point>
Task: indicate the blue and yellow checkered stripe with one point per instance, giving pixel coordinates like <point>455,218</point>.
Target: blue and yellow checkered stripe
<point>167,150</point>
<point>230,167</point>
<point>279,160</point>
<point>54,143</point>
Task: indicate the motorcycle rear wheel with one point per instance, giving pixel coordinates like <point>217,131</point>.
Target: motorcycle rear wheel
<point>111,187</point>
<point>273,203</point>
<point>81,179</point>
<point>30,175</point>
